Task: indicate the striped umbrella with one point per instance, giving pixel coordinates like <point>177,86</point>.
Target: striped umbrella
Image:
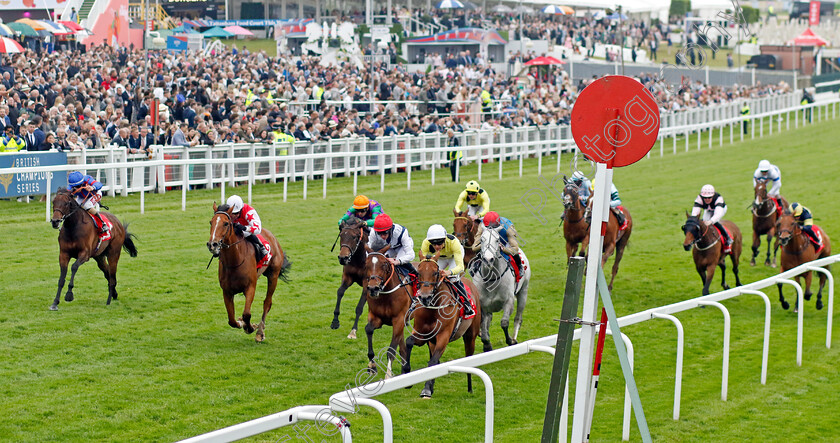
<point>6,31</point>
<point>9,46</point>
<point>553,9</point>
<point>58,29</point>
<point>450,4</point>
<point>34,24</point>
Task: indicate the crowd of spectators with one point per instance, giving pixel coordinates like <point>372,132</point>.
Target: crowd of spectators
<point>70,100</point>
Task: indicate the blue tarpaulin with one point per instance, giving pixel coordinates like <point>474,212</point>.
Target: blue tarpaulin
<point>31,183</point>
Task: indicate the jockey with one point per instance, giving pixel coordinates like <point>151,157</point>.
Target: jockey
<point>804,219</point>
<point>476,199</point>
<point>767,172</point>
<point>583,184</point>
<point>364,209</point>
<point>247,222</point>
<point>401,252</point>
<point>451,260</point>
<point>615,202</point>
<point>714,208</point>
<point>88,192</point>
<point>507,233</point>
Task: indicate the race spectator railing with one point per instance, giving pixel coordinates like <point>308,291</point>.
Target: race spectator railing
<point>185,168</point>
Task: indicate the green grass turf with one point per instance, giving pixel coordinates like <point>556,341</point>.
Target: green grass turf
<point>162,364</point>
<point>253,45</point>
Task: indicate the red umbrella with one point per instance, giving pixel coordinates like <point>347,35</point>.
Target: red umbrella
<point>542,61</point>
<point>9,46</point>
<point>808,38</point>
<point>73,26</point>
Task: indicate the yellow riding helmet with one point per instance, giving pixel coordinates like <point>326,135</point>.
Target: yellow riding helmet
<point>795,209</point>
<point>473,186</point>
<point>361,202</point>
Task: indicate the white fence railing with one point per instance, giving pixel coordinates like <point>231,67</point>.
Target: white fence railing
<point>347,401</point>
<point>245,164</point>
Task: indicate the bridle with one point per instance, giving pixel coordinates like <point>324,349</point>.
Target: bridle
<point>359,242</point>
<point>765,199</point>
<point>435,287</point>
<point>496,253</point>
<point>573,194</point>
<point>380,288</point>
<point>70,201</point>
<point>464,236</point>
<point>792,235</point>
<point>697,239</point>
<point>227,228</point>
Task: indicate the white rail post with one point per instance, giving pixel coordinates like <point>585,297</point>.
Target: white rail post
<point>502,152</point>
<point>142,192</point>
<point>680,348</point>
<point>522,146</point>
<point>327,170</point>
<point>800,301</point>
<point>381,161</point>
<point>286,179</point>
<point>49,188</point>
<point>765,351</point>
<point>724,382</point>
<point>356,175</point>
<point>387,423</point>
<point>407,163</point>
<point>489,402</point>
<point>830,284</point>
<point>224,180</point>
<point>185,175</point>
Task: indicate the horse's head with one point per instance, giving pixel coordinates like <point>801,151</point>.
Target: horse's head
<point>786,227</point>
<point>428,278</point>
<point>378,270</point>
<point>221,229</point>
<point>571,195</point>
<point>491,244</point>
<point>760,193</point>
<point>353,235</point>
<point>692,230</point>
<point>463,227</point>
<point>63,205</point>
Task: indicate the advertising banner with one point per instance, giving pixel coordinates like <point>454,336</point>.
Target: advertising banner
<point>814,13</point>
<point>31,183</point>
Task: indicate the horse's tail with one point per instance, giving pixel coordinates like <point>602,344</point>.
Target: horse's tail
<point>128,242</point>
<point>284,268</point>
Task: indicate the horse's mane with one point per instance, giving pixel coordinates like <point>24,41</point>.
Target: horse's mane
<point>352,222</point>
<point>224,207</point>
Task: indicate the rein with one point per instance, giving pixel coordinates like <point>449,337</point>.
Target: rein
<point>801,234</point>
<point>755,208</point>
<point>382,281</point>
<point>353,250</point>
<point>701,237</point>
<point>436,288</point>
<point>577,206</point>
<point>226,245</point>
<point>464,236</point>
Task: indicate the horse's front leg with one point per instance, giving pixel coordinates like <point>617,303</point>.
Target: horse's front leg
<point>775,249</point>
<point>359,307</point>
<point>767,260</point>
<point>339,295</point>
<point>571,249</point>
<point>819,291</point>
<point>79,261</point>
<point>722,265</point>
<point>269,297</point>
<point>755,245</point>
<point>63,260</point>
<point>785,304</point>
<point>435,351</point>
<point>808,276</point>
<point>373,324</point>
<point>486,318</point>
<point>705,278</point>
<point>231,310</point>
<point>246,312</point>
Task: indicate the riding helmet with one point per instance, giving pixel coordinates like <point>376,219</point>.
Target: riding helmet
<point>492,219</point>
<point>382,223</point>
<point>361,202</point>
<point>707,191</point>
<point>436,232</point>
<point>472,186</point>
<point>235,202</point>
<point>75,178</point>
<point>764,165</point>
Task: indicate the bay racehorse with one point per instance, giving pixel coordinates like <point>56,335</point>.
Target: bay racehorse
<point>78,237</point>
<point>575,226</point>
<point>465,229</point>
<point>353,234</point>
<point>498,289</point>
<point>615,238</point>
<point>437,318</point>
<point>388,299</point>
<point>764,215</point>
<point>238,271</point>
<point>797,249</point>
<point>708,249</point>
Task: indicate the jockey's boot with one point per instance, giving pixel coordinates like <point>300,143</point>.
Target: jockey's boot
<point>619,216</point>
<point>261,252</point>
<point>727,241</point>
<point>462,297</point>
<point>103,226</point>
<point>809,230</point>
<point>518,259</point>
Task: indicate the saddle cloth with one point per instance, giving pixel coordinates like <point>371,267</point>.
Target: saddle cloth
<point>103,236</point>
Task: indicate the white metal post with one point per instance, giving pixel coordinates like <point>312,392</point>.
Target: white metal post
<point>603,180</point>
<point>724,381</point>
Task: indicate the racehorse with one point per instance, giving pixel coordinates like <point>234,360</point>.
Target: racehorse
<point>78,238</point>
<point>437,321</point>
<point>796,250</point>
<point>465,229</point>
<point>498,288</point>
<point>764,215</point>
<point>238,271</point>
<point>575,227</point>
<point>615,239</point>
<point>708,249</point>
<point>354,236</point>
<point>388,299</point>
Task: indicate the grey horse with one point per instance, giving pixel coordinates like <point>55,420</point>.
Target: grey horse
<point>498,288</point>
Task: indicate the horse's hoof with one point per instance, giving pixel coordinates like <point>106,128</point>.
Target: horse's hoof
<point>115,296</point>
<point>795,310</point>
<point>807,295</point>
<point>259,337</point>
<point>426,393</point>
<point>389,374</point>
<point>335,324</point>
<point>53,307</point>
<point>488,348</point>
<point>785,305</point>
<point>819,305</point>
<point>752,262</point>
<point>512,342</point>
<point>69,297</point>
<point>773,265</point>
<point>352,334</point>
<point>371,369</point>
<point>725,287</point>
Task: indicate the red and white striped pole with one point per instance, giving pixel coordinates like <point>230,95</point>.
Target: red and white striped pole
<point>596,372</point>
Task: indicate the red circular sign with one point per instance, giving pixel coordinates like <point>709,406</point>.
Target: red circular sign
<point>615,121</point>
